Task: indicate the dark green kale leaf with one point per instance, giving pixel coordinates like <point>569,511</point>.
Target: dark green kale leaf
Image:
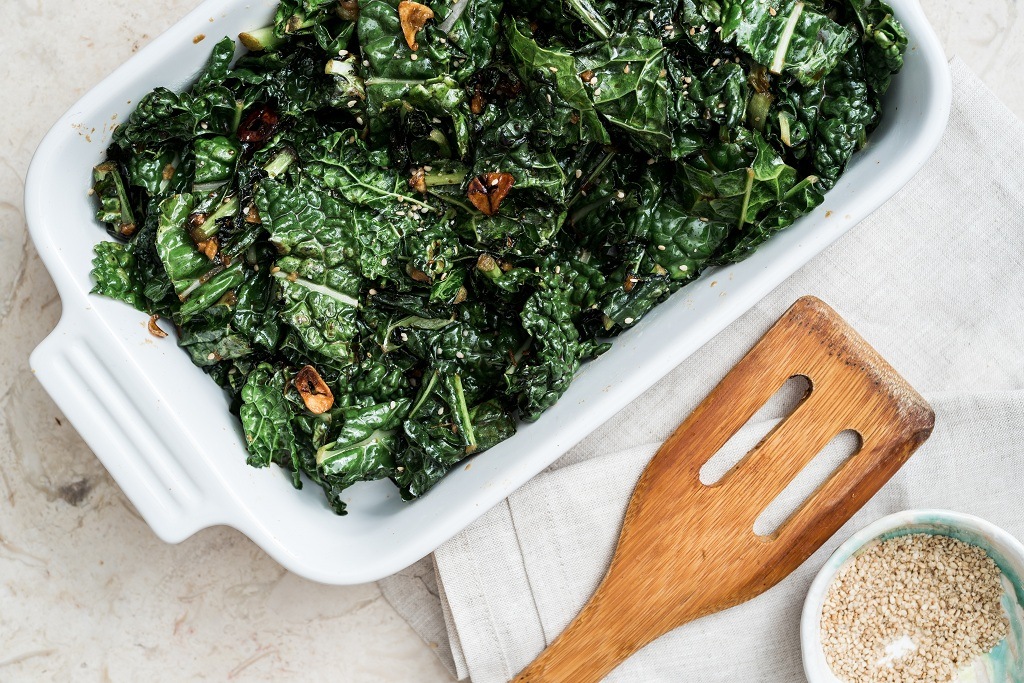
<point>790,36</point>
<point>554,73</point>
<point>115,274</point>
<point>886,41</point>
<point>267,418</point>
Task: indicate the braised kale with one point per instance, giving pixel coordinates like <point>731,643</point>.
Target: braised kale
<point>391,229</point>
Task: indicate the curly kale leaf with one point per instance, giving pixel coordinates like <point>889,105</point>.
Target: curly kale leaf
<point>115,274</point>
<point>790,36</point>
<point>849,111</point>
<point>886,41</point>
<point>556,349</point>
<point>631,89</point>
<point>553,72</point>
<point>267,418</point>
<point>115,208</point>
<point>365,447</point>
<point>163,115</point>
<point>198,281</point>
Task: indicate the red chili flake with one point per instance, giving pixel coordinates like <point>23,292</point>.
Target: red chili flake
<point>314,390</point>
<point>258,127</point>
<point>487,191</point>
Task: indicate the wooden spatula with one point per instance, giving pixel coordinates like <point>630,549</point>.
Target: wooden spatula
<point>688,550</point>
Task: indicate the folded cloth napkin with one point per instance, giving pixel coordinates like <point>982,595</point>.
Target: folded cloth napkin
<point>934,280</point>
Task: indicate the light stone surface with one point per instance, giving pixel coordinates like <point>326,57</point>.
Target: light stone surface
<point>87,592</point>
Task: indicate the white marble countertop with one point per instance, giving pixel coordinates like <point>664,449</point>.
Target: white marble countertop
<point>87,591</point>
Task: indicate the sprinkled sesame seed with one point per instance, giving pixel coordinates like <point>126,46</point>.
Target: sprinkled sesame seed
<point>597,93</point>
<point>212,356</point>
<point>628,321</point>
<point>661,247</point>
<point>652,161</point>
<point>718,29</point>
<point>352,103</point>
<point>716,62</point>
<point>579,173</point>
<point>414,56</point>
<point>384,261</point>
<point>554,69</point>
<point>366,62</point>
<point>359,120</point>
<point>620,194</point>
<point>625,69</point>
<point>460,354</point>
<point>558,269</point>
<point>684,267</point>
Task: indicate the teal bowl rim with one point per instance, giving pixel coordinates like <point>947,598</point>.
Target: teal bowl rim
<point>897,524</point>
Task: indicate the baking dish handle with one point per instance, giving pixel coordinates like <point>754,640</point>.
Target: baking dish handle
<point>98,393</point>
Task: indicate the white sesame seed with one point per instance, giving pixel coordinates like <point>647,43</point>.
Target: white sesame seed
<point>554,69</point>
<point>628,321</point>
<point>414,56</point>
<point>384,261</point>
<point>579,173</point>
<point>661,247</point>
<point>620,194</point>
<point>935,594</point>
<point>625,69</point>
<point>460,355</point>
<point>597,93</point>
<point>683,267</point>
<point>359,120</point>
<point>352,103</point>
<point>366,62</point>
<point>212,356</point>
<point>558,269</point>
<point>651,161</point>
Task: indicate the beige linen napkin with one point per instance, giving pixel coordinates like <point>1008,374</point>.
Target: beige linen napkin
<point>934,280</point>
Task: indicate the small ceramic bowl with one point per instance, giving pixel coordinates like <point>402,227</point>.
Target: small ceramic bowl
<point>1004,664</point>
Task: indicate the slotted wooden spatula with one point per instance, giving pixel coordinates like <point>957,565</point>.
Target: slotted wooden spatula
<point>688,550</point>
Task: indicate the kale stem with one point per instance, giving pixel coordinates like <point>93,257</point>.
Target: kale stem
<point>261,39</point>
<point>455,202</point>
<point>746,197</point>
<point>427,389</point>
<point>463,413</point>
<point>280,162</point>
<point>593,176</point>
<point>384,193</point>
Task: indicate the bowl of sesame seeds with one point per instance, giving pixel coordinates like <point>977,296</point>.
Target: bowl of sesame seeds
<point>923,596</point>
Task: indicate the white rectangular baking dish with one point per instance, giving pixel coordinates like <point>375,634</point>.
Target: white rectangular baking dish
<point>162,428</point>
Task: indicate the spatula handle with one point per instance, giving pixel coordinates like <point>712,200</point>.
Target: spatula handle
<point>600,638</point>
